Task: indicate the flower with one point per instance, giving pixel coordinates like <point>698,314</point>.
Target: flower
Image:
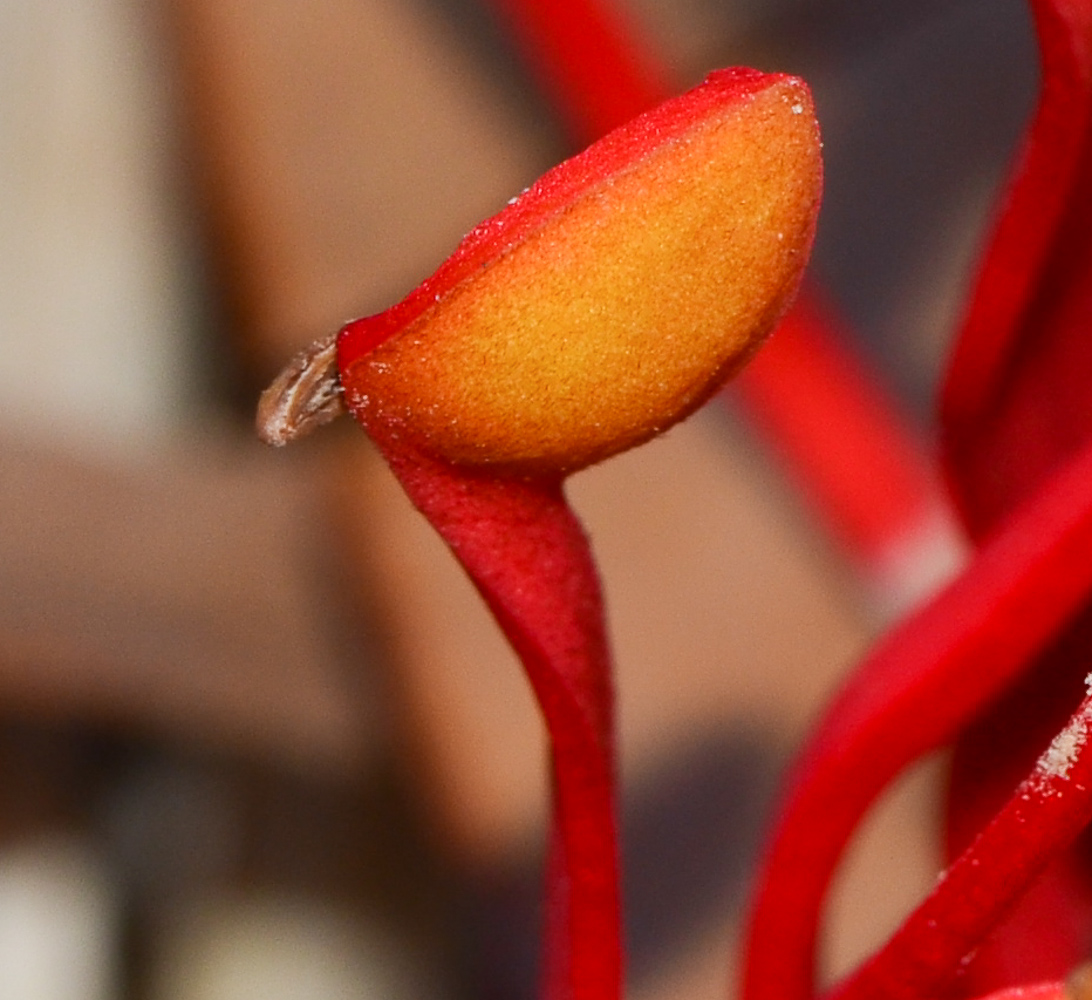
<point>604,304</point>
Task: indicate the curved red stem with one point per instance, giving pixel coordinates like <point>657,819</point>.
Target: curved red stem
<point>1046,812</point>
<point>911,695</point>
<point>1016,357</point>
<point>529,557</point>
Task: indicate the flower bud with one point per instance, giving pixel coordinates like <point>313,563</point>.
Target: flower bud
<point>610,299</point>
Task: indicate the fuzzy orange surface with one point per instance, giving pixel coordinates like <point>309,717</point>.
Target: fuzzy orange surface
<point>623,310</point>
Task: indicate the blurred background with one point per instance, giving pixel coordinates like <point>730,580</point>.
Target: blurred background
<point>257,738</point>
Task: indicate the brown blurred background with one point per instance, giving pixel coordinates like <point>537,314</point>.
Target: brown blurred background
<point>257,738</point>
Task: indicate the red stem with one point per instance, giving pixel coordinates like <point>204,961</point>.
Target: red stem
<point>913,694</point>
<point>861,465</point>
<point>1047,811</point>
<point>590,60</point>
<point>996,347</point>
<point>529,557</point>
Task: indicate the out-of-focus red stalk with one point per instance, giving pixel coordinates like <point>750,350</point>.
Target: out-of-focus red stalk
<point>913,694</point>
<point>787,391</point>
<point>1045,813</point>
<point>861,464</point>
<point>589,60</point>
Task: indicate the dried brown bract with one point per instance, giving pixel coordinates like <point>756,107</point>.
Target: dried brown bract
<point>306,395</point>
